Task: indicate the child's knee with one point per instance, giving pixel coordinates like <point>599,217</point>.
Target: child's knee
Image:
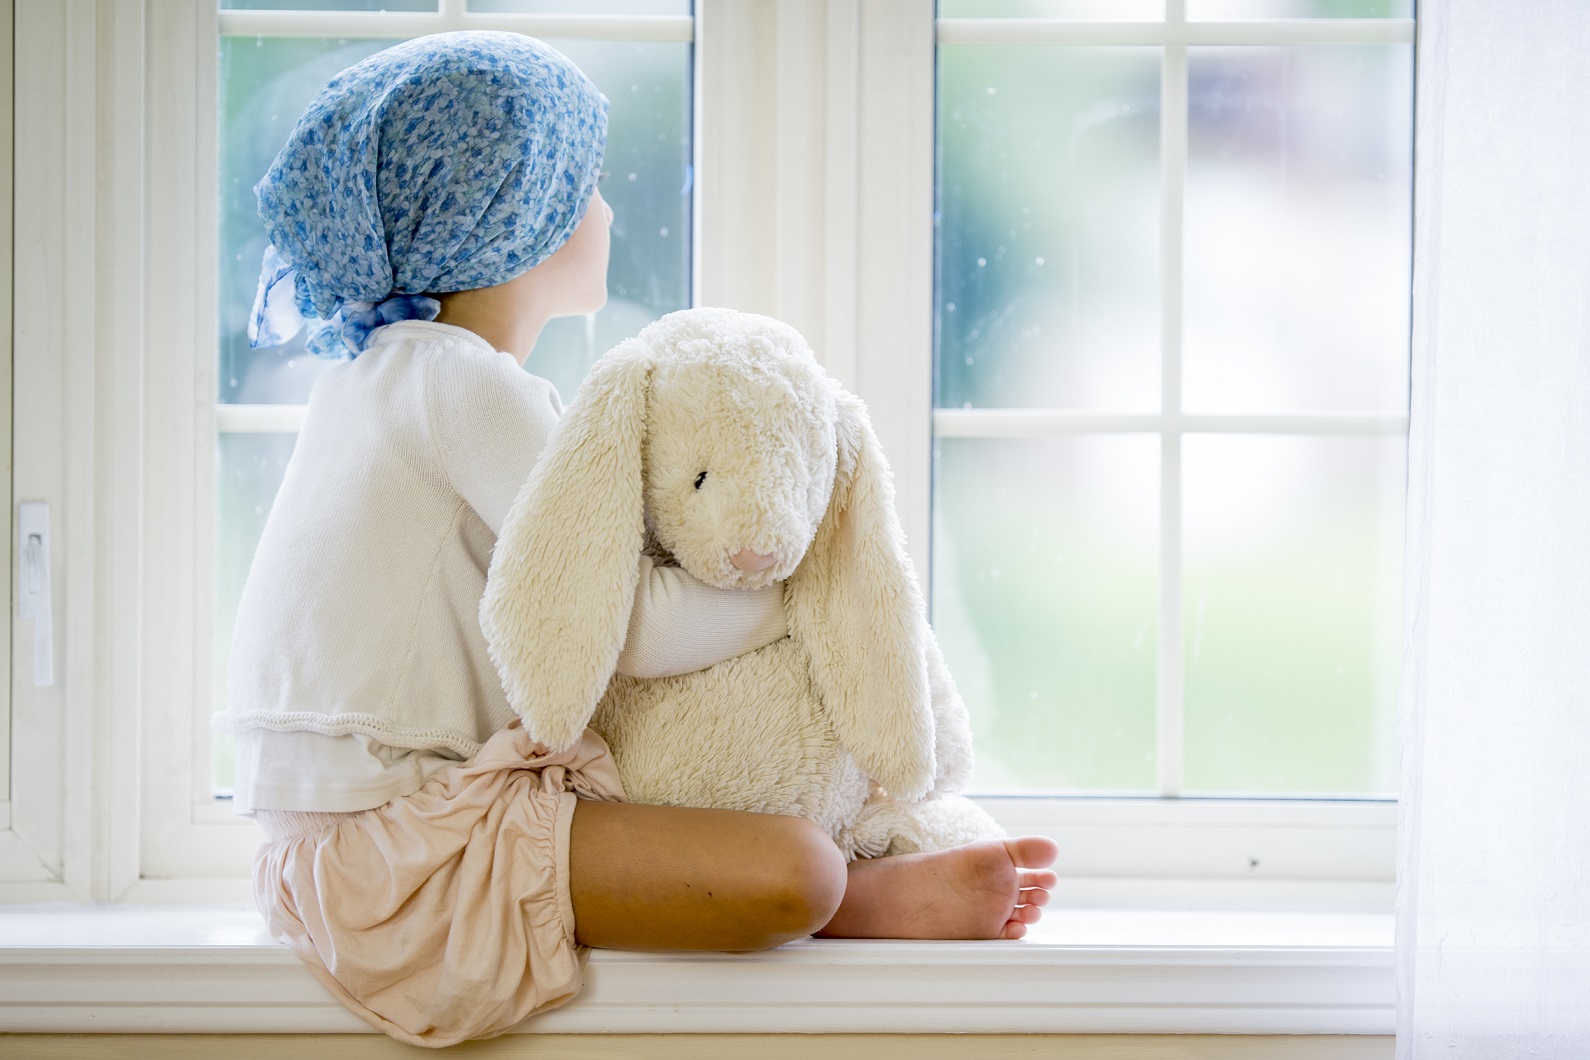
<point>804,879</point>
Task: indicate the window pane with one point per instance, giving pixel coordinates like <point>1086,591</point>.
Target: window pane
<point>648,185</point>
<point>1091,10</point>
<point>1048,251</point>
<point>248,471</point>
<point>1299,9</point>
<point>1045,600</point>
<point>1298,228</point>
<point>265,84</point>
<point>1291,604</point>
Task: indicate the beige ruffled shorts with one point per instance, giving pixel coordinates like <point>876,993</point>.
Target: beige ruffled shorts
<point>443,915</point>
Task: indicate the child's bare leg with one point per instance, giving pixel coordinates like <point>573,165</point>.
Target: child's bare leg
<point>987,890</point>
<point>668,878</point>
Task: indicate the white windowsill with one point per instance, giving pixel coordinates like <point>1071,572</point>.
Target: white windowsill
<point>1085,970</point>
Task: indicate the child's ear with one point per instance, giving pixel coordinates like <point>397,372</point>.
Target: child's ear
<point>562,578</point>
<point>854,603</point>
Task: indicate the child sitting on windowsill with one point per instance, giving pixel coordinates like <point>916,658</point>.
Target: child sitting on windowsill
<point>434,207</point>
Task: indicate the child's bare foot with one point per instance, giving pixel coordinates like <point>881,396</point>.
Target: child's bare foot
<point>987,890</point>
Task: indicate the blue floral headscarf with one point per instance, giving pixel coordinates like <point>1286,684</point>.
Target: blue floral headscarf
<point>446,163</point>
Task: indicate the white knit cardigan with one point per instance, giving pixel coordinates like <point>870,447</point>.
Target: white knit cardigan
<point>359,614</point>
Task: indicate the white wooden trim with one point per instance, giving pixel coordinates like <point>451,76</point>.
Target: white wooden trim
<point>205,384</point>
<point>119,379</point>
<point>259,419</point>
<point>798,203</point>
<point>1038,423</point>
<point>179,456</point>
<point>20,863</point>
<point>202,890</point>
<point>79,366</point>
<point>81,429</point>
<point>778,177</point>
<point>894,240</point>
<point>397,25</point>
<point>7,206</point>
<point>1176,31</point>
<point>1087,971</point>
<point>841,152</point>
<point>815,183</point>
<point>1226,840</point>
<point>1170,685</point>
<point>735,245</point>
<point>172,648</point>
<point>1141,812</point>
<point>53,430</point>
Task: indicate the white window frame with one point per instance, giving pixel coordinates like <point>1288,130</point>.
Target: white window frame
<point>19,859</point>
<point>1175,34</point>
<point>814,155</point>
<point>75,377</point>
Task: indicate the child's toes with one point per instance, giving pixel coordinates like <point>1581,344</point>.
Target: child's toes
<point>1033,896</point>
<point>1034,851</point>
<point>1030,878</point>
<point>1015,929</point>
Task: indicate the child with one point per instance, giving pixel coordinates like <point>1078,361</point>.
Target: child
<point>433,208</point>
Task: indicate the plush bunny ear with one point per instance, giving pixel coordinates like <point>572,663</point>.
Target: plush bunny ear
<point>855,604</point>
<point>562,578</point>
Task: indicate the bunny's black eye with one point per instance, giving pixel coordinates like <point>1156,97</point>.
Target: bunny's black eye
<point>700,479</point>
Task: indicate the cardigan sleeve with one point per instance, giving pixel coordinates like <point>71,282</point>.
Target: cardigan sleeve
<point>490,419</point>
<point>679,625</point>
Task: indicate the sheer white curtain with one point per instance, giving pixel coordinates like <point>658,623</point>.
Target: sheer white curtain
<point>1494,897</point>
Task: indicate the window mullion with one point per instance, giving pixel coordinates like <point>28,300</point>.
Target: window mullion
<point>894,249</point>
<point>1043,422</point>
<point>1169,720</point>
<point>381,25</point>
<point>1176,29</point>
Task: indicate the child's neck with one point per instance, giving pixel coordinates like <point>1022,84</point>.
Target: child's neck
<point>509,316</point>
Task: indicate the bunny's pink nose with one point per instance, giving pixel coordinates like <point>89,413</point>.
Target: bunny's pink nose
<point>751,562</point>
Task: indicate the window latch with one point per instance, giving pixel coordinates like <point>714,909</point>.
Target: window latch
<point>33,597</point>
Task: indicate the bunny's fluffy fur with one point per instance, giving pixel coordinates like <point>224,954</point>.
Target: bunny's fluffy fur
<point>711,432</point>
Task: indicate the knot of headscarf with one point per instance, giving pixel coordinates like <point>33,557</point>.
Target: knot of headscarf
<point>446,163</point>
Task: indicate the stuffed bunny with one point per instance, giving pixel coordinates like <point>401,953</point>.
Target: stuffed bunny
<point>715,435</point>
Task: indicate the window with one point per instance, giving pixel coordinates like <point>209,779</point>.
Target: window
<point>1171,387</point>
<point>799,181</point>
